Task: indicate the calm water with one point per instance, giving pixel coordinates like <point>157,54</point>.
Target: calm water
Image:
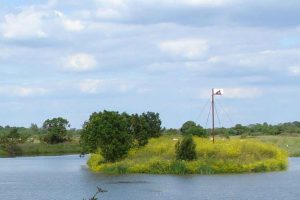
<point>67,178</point>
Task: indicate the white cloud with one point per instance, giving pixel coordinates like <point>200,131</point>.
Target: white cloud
<point>123,3</point>
<point>28,23</point>
<point>91,86</point>
<point>241,92</point>
<point>80,62</point>
<point>73,25</point>
<point>254,61</point>
<point>95,86</point>
<point>198,2</point>
<point>195,66</point>
<point>37,22</point>
<point>22,91</point>
<point>162,67</point>
<point>112,3</point>
<point>255,79</point>
<point>189,48</point>
<point>295,70</point>
<point>112,9</point>
<point>108,13</point>
<point>69,24</point>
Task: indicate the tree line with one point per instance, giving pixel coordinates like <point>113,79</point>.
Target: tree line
<point>114,133</point>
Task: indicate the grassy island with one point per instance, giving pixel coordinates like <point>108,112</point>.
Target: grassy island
<point>225,156</point>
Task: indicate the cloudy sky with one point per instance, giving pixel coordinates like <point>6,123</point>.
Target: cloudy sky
<point>70,58</point>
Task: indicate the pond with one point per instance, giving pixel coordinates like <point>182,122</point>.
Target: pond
<point>67,178</point>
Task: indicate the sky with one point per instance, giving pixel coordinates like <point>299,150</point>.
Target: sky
<point>70,58</point>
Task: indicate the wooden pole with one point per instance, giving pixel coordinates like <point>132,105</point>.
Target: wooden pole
<point>213,115</point>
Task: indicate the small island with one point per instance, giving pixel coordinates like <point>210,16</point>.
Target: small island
<point>123,143</point>
<point>225,156</point>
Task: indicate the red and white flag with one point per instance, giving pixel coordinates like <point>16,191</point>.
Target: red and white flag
<point>218,91</point>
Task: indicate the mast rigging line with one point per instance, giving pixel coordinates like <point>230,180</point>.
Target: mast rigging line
<point>208,116</point>
<point>202,110</point>
<point>226,114</point>
<point>220,124</point>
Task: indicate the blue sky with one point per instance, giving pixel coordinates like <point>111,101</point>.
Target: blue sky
<point>71,58</point>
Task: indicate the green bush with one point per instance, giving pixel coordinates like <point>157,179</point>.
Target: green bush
<point>191,128</point>
<point>186,149</point>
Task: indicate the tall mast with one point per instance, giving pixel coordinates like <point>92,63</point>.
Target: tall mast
<point>213,115</point>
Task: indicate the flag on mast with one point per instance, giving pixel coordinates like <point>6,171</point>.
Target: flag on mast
<point>218,91</point>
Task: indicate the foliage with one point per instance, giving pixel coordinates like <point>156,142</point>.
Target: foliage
<point>56,130</point>
<point>34,128</point>
<point>186,126</point>
<point>153,124</point>
<point>14,134</point>
<point>170,131</point>
<point>114,134</point>
<point>266,129</point>
<point>225,156</point>
<point>9,143</point>
<point>108,131</point>
<point>21,141</point>
<point>192,128</point>
<point>138,127</point>
<point>31,149</point>
<point>186,149</point>
<point>289,143</point>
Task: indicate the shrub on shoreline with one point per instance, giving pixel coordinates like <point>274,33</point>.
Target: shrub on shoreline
<point>186,149</point>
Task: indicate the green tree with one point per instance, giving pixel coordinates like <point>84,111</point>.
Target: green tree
<point>34,128</point>
<point>56,129</point>
<point>186,126</point>
<point>191,128</point>
<point>240,129</point>
<point>198,131</point>
<point>186,149</point>
<point>10,141</point>
<point>14,134</point>
<point>110,132</point>
<point>138,127</point>
<point>153,124</point>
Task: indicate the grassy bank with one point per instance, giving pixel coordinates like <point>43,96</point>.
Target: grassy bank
<point>38,149</point>
<point>289,143</point>
<point>225,156</point>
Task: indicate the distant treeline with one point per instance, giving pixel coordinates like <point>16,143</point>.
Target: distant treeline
<point>17,141</point>
<point>113,132</point>
<point>33,130</point>
<point>238,129</point>
<point>252,129</point>
<point>263,129</point>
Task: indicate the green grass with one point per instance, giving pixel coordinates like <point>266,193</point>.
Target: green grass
<point>289,143</point>
<point>38,149</point>
<point>225,156</point>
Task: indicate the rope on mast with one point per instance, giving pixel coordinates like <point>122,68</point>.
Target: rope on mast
<point>220,124</point>
<point>208,117</point>
<point>202,110</point>
<point>226,114</point>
